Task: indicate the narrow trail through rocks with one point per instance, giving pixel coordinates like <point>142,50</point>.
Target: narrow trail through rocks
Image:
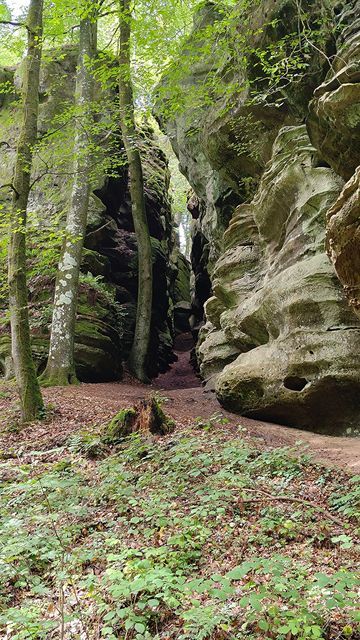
<point>181,375</point>
<point>82,407</point>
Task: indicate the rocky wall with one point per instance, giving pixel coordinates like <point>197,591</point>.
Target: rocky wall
<point>280,341</point>
<point>279,302</point>
<point>334,128</point>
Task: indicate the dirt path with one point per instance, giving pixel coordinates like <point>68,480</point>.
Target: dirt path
<point>181,374</point>
<point>87,405</point>
<point>186,404</point>
<point>80,407</point>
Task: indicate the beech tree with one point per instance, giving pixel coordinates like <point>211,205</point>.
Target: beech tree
<point>25,372</point>
<point>60,369</point>
<point>137,360</point>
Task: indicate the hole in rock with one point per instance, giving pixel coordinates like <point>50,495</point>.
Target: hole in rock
<point>295,383</point>
<point>320,162</point>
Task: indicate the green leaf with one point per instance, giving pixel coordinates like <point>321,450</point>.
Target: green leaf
<point>110,616</point>
<point>262,624</point>
<point>240,571</point>
<point>284,629</point>
<point>153,602</point>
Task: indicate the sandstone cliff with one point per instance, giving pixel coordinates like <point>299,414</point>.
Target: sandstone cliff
<point>280,341</point>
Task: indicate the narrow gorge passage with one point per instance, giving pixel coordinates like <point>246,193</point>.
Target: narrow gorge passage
<point>181,374</point>
<point>187,229</point>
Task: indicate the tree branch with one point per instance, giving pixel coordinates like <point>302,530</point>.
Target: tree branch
<point>9,186</point>
<point>12,23</point>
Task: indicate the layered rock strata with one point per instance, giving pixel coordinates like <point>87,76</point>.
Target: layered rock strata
<point>334,127</point>
<point>278,304</point>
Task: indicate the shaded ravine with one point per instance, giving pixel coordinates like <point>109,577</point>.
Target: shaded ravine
<point>181,374</point>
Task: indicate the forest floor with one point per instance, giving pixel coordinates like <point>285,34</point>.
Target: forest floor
<point>225,529</point>
<point>72,408</point>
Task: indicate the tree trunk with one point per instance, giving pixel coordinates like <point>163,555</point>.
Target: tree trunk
<point>187,229</point>
<point>60,369</point>
<point>138,355</point>
<point>25,372</point>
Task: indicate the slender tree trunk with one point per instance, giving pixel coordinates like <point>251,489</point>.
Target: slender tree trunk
<point>187,229</point>
<point>60,369</point>
<point>138,355</point>
<point>25,372</point>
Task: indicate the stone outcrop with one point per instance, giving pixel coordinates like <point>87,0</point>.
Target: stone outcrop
<point>280,341</point>
<point>108,293</point>
<point>334,113</point>
<point>224,142</point>
<point>343,239</point>
<point>334,127</point>
<point>279,304</point>
<point>180,292</point>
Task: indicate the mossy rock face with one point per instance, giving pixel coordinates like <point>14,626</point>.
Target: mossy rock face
<point>181,287</point>
<point>97,364</point>
<point>182,313</point>
<point>95,263</point>
<point>333,124</point>
<point>98,337</point>
<point>6,366</point>
<point>224,143</point>
<point>280,339</point>
<point>343,237</point>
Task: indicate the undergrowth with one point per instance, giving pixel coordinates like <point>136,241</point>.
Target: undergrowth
<point>187,537</point>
